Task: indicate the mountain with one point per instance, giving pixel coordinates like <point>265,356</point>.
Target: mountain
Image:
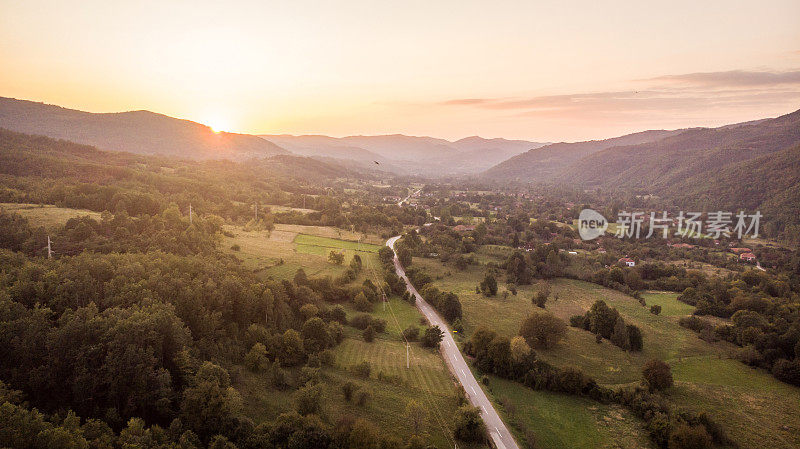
<point>141,132</point>
<point>672,163</point>
<point>768,183</point>
<point>408,154</point>
<point>546,162</point>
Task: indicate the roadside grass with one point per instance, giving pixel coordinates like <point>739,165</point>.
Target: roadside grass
<point>47,215</point>
<point>560,421</point>
<point>755,409</point>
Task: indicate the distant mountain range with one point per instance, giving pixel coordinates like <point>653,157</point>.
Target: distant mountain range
<point>655,160</point>
<point>409,154</point>
<point>140,132</point>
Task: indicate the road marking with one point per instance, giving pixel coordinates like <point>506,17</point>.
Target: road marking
<point>473,390</point>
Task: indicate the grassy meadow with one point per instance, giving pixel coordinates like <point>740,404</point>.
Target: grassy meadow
<point>47,215</point>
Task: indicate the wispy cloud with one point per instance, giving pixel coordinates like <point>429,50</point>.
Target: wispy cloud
<point>674,95</point>
<point>733,78</point>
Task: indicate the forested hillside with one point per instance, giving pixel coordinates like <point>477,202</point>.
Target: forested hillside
<point>141,132</point>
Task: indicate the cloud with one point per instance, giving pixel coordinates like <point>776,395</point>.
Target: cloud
<point>733,78</point>
<point>692,94</point>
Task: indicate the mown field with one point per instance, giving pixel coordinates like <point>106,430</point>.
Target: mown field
<point>47,215</point>
<point>755,409</point>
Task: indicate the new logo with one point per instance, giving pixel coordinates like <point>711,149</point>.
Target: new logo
<point>591,224</point>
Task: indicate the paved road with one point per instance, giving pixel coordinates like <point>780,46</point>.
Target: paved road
<point>458,366</point>
<point>407,198</point>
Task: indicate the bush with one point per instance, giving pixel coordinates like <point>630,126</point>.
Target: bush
<point>362,369</point>
<point>576,321</point>
<point>362,397</point>
<point>655,309</point>
<point>411,333</point>
<point>657,375</point>
<point>348,388</point>
<point>684,436</point>
<point>309,399</point>
<point>361,321</point>
<point>368,334</point>
<point>787,371</point>
<point>236,247</point>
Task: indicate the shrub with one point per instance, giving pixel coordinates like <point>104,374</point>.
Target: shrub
<point>411,333</point>
<point>655,309</point>
<point>657,375</point>
<point>361,321</point>
<point>361,303</point>
<point>309,399</point>
<point>236,247</point>
<point>362,397</point>
<point>684,436</point>
<point>787,371</point>
<point>362,369</point>
<point>348,388</point>
<point>368,334</point>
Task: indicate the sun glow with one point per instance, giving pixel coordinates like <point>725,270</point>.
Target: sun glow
<point>218,124</point>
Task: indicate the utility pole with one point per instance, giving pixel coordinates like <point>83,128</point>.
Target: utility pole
<point>49,249</point>
<point>190,213</point>
<point>407,363</point>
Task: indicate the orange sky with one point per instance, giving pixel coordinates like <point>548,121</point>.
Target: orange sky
<point>537,70</point>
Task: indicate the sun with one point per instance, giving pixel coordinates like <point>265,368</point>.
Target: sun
<point>217,124</point>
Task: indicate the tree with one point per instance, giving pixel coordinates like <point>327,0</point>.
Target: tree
<point>404,256</point>
<point>292,351</point>
<point>315,335</point>
<point>469,426</point>
<point>601,319</point>
<point>432,337</point>
<point>620,335</point>
<point>657,375</point>
<point>635,337</point>
<point>336,258</point>
<point>416,416</point>
<point>355,263</point>
<point>210,406</point>
<point>256,358</point>
<point>309,399</point>
<point>361,303</point>
<point>542,330</point>
<point>489,285</point>
<point>540,299</point>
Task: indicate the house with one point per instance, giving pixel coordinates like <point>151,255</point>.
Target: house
<point>463,228</point>
<point>681,245</point>
<point>627,262</point>
<point>747,257</point>
<point>741,250</point>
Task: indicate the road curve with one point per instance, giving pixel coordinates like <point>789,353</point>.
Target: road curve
<point>458,366</point>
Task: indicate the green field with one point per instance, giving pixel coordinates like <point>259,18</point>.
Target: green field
<point>281,252</point>
<point>47,215</point>
<point>561,421</point>
<point>706,378</point>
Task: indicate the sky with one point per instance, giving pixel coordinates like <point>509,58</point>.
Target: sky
<point>536,70</point>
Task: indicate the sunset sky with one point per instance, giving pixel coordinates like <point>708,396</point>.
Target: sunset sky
<point>537,70</point>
